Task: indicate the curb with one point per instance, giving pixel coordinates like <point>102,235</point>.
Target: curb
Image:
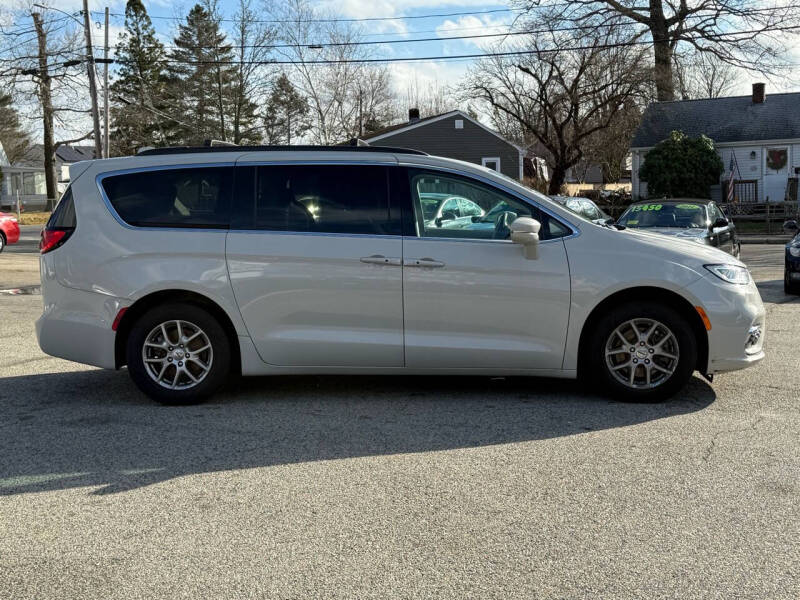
<point>765,240</point>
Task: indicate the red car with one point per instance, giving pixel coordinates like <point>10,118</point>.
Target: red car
<point>9,230</point>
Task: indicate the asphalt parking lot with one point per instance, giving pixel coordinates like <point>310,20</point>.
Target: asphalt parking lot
<point>379,487</point>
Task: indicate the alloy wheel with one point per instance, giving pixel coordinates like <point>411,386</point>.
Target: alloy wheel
<point>642,353</point>
<point>177,355</point>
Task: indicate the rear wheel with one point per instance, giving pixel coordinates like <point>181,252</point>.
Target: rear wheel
<point>643,352</point>
<point>2,241</point>
<point>178,354</point>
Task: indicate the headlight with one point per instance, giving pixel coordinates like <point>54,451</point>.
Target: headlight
<point>794,251</point>
<point>730,273</point>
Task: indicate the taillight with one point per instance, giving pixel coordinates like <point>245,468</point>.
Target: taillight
<point>53,238</point>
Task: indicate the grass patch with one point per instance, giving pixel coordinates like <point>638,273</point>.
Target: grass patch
<point>34,218</point>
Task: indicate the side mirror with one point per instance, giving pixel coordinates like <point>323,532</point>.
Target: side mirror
<point>791,226</point>
<point>525,231</point>
<point>720,222</point>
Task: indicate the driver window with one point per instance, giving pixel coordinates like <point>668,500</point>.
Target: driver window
<point>484,213</point>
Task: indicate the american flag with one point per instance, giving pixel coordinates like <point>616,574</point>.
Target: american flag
<point>731,181</point>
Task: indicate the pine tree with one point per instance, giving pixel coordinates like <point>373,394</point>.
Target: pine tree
<point>203,78</point>
<point>139,92</point>
<point>286,113</point>
<point>15,140</point>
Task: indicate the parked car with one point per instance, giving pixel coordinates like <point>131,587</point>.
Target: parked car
<point>188,265</point>
<point>791,269</point>
<point>700,221</point>
<point>9,230</point>
<point>446,210</point>
<point>583,206</point>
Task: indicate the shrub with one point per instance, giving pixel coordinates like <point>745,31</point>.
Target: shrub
<point>681,167</point>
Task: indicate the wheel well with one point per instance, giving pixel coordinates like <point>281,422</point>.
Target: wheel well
<point>141,306</point>
<point>646,294</point>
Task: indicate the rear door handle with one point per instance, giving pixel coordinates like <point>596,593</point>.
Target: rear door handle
<point>424,262</point>
<point>380,259</point>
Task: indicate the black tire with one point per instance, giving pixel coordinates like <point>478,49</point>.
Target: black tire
<point>789,287</point>
<point>2,241</point>
<point>188,314</point>
<point>683,366</point>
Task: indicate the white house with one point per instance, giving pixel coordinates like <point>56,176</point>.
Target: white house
<point>762,133</point>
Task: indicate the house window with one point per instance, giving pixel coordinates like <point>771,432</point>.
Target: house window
<point>492,163</point>
<point>459,123</point>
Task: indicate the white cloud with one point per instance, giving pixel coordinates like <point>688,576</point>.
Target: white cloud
<point>476,25</point>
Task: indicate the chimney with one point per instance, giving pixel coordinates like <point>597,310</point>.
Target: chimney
<point>413,115</point>
<point>759,93</point>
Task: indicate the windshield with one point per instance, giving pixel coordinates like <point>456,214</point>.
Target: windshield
<point>683,216</point>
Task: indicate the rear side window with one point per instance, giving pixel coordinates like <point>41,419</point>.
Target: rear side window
<point>63,216</point>
<point>348,199</point>
<point>198,197</point>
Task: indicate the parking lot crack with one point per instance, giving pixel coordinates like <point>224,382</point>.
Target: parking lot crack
<point>713,443</point>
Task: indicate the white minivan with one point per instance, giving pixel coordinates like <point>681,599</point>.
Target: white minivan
<point>191,264</point>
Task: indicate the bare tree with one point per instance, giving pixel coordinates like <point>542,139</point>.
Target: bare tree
<point>252,40</point>
<point>345,98</point>
<point>430,99</point>
<point>742,33</point>
<point>44,81</point>
<point>560,99</point>
<point>703,75</point>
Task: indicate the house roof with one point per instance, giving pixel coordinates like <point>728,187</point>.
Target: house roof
<point>724,120</point>
<point>391,129</point>
<point>34,157</point>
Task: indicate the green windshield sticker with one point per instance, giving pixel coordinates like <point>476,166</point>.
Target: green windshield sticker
<point>641,207</point>
<point>632,222</point>
<point>688,206</point>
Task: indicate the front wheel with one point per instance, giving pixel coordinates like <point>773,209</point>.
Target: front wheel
<point>791,288</point>
<point>643,352</point>
<point>178,354</point>
<point>2,241</point>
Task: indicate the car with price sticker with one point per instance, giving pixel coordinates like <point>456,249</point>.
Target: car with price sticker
<point>700,221</point>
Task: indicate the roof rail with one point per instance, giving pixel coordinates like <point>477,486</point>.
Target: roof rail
<point>217,149</point>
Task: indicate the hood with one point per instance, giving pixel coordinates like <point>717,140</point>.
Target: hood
<point>684,249</point>
<point>693,234</point>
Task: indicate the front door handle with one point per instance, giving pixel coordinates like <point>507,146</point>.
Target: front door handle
<point>423,262</point>
<point>380,259</point>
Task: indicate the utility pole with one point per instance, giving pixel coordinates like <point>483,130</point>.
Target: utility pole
<point>87,30</point>
<point>360,116</point>
<point>47,113</point>
<point>105,94</point>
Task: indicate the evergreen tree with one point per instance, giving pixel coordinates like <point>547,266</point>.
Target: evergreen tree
<point>15,140</point>
<point>286,113</point>
<point>203,78</point>
<point>139,90</point>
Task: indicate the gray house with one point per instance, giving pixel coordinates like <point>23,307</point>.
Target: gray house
<point>760,133</point>
<point>25,177</point>
<point>454,135</point>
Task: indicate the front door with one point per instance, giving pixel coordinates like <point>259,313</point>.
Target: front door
<point>471,298</point>
<point>314,257</point>
<point>776,172</point>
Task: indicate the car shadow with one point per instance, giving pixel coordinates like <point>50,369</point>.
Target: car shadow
<point>93,427</point>
<point>772,291</point>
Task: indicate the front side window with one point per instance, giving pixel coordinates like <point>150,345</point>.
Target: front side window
<point>196,197</point>
<point>348,199</point>
<point>484,211</point>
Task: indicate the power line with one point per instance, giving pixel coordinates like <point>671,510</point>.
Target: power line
<point>315,45</point>
<point>458,56</point>
<point>362,19</point>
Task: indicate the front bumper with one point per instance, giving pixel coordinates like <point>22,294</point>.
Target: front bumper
<point>11,231</point>
<point>792,267</point>
<point>76,324</point>
<point>737,318</point>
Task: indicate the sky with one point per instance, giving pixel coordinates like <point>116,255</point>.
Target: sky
<point>401,21</point>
